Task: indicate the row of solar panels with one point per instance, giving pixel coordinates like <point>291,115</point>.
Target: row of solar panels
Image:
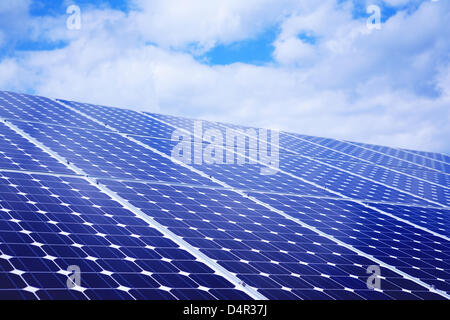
<point>142,226</point>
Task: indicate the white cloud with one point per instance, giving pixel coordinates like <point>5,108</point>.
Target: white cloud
<point>178,23</point>
<point>390,86</point>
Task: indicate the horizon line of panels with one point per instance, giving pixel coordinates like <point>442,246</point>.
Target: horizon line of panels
<point>369,170</point>
<point>409,249</point>
<point>330,156</point>
<point>377,174</point>
<point>371,192</point>
<point>121,119</point>
<point>433,155</point>
<point>371,153</point>
<point>30,108</point>
<point>49,223</point>
<point>115,115</point>
<point>14,106</point>
<point>146,126</point>
<point>419,171</point>
<point>409,168</point>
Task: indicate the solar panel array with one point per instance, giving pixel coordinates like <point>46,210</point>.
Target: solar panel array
<point>97,188</point>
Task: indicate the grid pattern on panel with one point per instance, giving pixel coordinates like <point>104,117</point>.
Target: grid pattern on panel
<point>290,235</point>
<point>436,219</point>
<point>49,223</point>
<point>40,109</point>
<point>17,153</point>
<point>351,186</point>
<point>309,149</point>
<point>423,189</point>
<point>432,155</point>
<point>178,122</point>
<point>364,154</point>
<point>439,162</point>
<point>265,250</point>
<point>432,176</point>
<point>126,121</point>
<point>435,177</point>
<point>243,177</point>
<point>380,174</point>
<point>364,189</point>
<point>409,249</point>
<point>104,154</point>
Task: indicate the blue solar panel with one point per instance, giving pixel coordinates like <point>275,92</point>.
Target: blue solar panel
<point>435,219</point>
<point>141,226</point>
<point>49,223</point>
<point>432,155</point>
<point>33,108</point>
<point>366,182</point>
<point>430,160</point>
<point>366,158</point>
<point>108,154</point>
<point>267,251</point>
<point>126,121</point>
<point>17,153</point>
<point>377,188</point>
<point>410,249</point>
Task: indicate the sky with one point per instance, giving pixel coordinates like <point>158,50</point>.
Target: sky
<point>323,68</point>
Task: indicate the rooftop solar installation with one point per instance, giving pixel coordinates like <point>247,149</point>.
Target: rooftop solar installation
<point>95,204</point>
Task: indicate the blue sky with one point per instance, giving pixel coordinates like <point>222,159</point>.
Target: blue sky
<point>313,67</point>
<point>257,49</point>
